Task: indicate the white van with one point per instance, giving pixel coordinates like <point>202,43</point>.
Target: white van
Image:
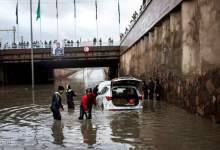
<point>120,94</point>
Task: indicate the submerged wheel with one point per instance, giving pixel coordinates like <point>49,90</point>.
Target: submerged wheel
<point>102,107</point>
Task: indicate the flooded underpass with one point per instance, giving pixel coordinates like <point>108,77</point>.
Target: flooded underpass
<point>28,124</point>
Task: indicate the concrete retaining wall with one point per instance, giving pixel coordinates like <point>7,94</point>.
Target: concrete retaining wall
<point>183,51</point>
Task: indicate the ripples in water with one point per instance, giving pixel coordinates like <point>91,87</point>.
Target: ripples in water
<point>158,126</point>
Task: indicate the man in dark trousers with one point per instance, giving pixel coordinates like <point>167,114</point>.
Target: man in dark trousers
<point>151,89</point>
<point>69,97</point>
<point>86,105</point>
<point>157,89</point>
<point>56,104</point>
<point>91,101</point>
<point>145,90</point>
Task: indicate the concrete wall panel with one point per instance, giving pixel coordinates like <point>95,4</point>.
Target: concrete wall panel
<point>182,51</point>
<point>155,11</point>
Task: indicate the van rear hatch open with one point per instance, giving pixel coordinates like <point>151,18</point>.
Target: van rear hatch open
<point>124,96</point>
<point>126,81</point>
<point>124,91</point>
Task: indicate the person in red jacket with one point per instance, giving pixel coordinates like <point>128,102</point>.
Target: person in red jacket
<point>84,104</point>
<point>91,102</point>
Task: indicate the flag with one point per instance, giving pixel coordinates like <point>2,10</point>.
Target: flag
<point>119,16</point>
<point>38,10</point>
<point>96,9</point>
<point>16,12</point>
<point>74,8</point>
<point>57,8</point>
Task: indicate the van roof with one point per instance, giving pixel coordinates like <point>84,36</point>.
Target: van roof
<point>126,78</point>
<point>126,81</point>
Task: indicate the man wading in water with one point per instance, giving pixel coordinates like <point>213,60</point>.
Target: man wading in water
<point>56,104</point>
<point>86,105</point>
<point>69,97</point>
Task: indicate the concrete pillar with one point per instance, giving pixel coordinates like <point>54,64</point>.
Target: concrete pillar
<point>175,42</point>
<point>190,38</point>
<point>209,32</point>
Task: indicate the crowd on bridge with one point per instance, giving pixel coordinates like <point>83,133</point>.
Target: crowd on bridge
<point>135,17</point>
<point>48,43</point>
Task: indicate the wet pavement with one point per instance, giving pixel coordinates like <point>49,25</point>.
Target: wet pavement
<point>158,126</point>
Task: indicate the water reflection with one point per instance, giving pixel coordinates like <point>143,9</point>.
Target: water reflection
<point>153,106</point>
<point>88,132</point>
<point>57,132</point>
<point>125,127</point>
<point>158,126</point>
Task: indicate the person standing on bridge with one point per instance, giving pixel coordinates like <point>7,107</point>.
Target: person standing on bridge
<point>77,43</point>
<point>56,103</point>
<point>69,97</point>
<point>94,41</point>
<point>100,42</point>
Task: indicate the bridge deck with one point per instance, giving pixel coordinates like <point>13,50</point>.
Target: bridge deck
<point>74,54</point>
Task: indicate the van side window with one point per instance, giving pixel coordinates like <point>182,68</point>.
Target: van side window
<point>104,90</point>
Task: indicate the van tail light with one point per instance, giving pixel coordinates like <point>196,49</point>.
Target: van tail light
<point>108,98</point>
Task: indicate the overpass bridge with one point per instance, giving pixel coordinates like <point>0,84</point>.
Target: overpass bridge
<point>15,63</point>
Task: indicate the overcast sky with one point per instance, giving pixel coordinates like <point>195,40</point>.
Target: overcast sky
<point>85,18</point>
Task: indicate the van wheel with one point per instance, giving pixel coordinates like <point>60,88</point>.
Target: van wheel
<point>102,107</point>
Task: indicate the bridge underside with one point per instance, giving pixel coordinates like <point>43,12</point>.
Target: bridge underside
<point>77,64</point>
<point>15,67</point>
<point>21,73</point>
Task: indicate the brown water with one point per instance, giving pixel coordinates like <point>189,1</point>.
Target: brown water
<point>158,126</point>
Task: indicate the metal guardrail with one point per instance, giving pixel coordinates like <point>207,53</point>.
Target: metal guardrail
<point>38,45</point>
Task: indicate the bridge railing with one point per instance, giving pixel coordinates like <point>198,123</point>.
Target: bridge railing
<point>37,45</point>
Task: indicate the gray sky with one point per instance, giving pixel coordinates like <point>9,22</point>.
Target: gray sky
<point>85,18</point>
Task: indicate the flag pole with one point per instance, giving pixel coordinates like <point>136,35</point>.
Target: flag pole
<point>40,33</point>
<point>17,22</point>
<point>17,32</point>
<point>119,21</point>
<point>40,26</point>
<point>32,54</point>
<point>75,30</point>
<point>119,30</point>
<point>74,20</point>
<point>97,30</point>
<point>39,17</point>
<point>57,19</point>
<point>96,19</point>
<point>57,29</point>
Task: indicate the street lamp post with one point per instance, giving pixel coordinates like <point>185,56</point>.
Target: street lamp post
<point>32,55</point>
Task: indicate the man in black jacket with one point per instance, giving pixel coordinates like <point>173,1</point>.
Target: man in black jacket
<point>56,104</point>
<point>157,89</point>
<point>151,89</point>
<point>69,97</point>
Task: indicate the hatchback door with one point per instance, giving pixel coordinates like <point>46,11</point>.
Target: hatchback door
<point>125,91</point>
<point>126,81</point>
<point>125,96</point>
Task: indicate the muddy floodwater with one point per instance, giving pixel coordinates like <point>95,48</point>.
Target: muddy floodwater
<point>28,124</point>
